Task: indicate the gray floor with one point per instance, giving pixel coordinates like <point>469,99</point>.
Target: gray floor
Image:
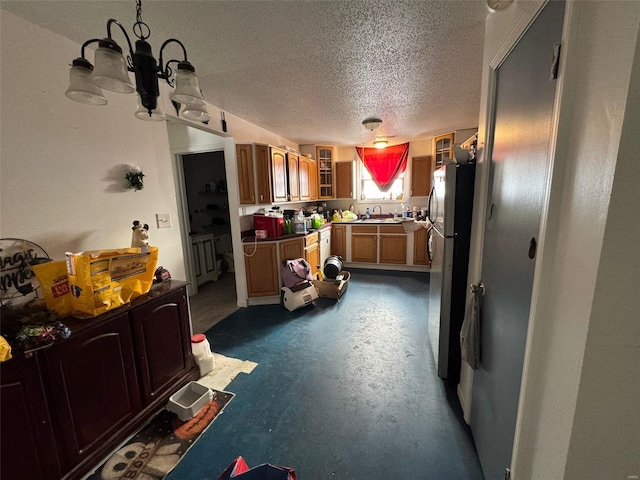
<point>214,302</point>
<point>343,390</point>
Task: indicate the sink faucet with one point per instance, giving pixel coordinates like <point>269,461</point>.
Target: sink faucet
<point>373,210</point>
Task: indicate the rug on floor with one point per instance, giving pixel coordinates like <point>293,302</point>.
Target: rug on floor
<point>156,449</point>
<point>225,370</point>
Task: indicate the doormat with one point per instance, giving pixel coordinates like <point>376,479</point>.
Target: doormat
<point>156,449</point>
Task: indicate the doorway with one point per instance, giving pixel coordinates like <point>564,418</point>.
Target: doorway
<point>519,166</point>
<point>207,203</point>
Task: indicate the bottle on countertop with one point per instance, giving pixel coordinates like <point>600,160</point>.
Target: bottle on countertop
<point>367,214</point>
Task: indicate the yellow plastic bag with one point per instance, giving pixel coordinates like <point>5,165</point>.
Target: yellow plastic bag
<point>54,283</point>
<point>102,280</point>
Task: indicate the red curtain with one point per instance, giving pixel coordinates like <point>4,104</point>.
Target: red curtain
<point>385,164</point>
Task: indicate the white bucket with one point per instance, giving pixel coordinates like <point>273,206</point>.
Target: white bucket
<point>202,353</point>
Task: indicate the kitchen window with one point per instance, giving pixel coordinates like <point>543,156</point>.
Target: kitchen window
<point>370,191</point>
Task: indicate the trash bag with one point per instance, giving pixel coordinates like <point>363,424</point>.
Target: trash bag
<point>295,271</point>
<point>238,469</point>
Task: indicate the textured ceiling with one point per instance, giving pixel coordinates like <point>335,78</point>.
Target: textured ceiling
<point>310,71</point>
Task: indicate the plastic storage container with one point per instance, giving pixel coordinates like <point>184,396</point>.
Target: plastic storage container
<point>189,400</point>
<point>202,353</point>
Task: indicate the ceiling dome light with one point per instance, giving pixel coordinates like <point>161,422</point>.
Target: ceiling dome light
<point>380,143</point>
<point>371,123</point>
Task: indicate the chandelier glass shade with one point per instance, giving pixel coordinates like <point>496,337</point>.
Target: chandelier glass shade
<point>80,88</point>
<point>111,72</point>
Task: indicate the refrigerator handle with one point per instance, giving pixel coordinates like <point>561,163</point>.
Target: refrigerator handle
<point>429,205</point>
<point>429,254</point>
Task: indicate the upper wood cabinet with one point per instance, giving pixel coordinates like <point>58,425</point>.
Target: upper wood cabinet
<point>263,174</point>
<point>304,174</point>
<point>344,179</point>
<point>313,180</point>
<point>246,179</point>
<point>279,174</point>
<point>293,177</point>
<point>325,156</point>
<point>443,148</point>
<point>421,170</point>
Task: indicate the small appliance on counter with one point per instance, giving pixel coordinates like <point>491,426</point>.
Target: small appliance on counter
<point>272,223</point>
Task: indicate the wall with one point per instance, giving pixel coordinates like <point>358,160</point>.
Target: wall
<point>63,163</point>
<point>578,414</point>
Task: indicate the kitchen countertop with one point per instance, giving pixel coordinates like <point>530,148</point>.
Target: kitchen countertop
<point>248,236</point>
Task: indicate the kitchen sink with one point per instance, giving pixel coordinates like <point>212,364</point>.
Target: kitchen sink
<point>377,220</point>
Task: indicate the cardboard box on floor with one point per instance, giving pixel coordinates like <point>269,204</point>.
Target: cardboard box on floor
<point>333,288</point>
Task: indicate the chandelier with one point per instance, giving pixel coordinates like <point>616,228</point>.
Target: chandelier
<point>111,73</point>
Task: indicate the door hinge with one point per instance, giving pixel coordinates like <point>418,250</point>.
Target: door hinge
<point>555,63</point>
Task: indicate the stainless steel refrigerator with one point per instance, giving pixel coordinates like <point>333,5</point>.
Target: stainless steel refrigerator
<point>450,212</point>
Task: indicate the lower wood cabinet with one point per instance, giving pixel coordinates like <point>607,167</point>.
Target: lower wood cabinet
<point>291,249</point>
<point>95,387</point>
<point>261,264</point>
<point>364,244</point>
<point>73,403</point>
<point>312,252</point>
<point>339,241</point>
<point>162,343</point>
<point>27,446</point>
<point>393,249</point>
<point>420,247</point>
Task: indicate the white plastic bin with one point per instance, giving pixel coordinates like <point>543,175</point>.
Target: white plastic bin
<point>189,400</point>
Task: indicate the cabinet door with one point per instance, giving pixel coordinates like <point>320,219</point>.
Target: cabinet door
<point>94,386</point>
<point>209,268</point>
<point>393,249</point>
<point>162,343</point>
<point>312,256</point>
<point>339,241</point>
<point>28,448</point>
<point>261,264</point>
<point>313,180</point>
<point>279,175</point>
<point>364,248</point>
<point>196,252</point>
<point>293,177</point>
<point>263,169</point>
<point>325,158</point>
<point>421,169</point>
<point>291,249</point>
<point>420,247</point>
<point>304,175</point>
<point>246,180</point>
<point>443,148</point>
<point>344,180</point>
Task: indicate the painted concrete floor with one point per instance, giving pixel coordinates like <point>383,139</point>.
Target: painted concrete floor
<point>342,390</point>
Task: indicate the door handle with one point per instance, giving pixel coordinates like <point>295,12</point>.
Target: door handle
<point>477,288</point>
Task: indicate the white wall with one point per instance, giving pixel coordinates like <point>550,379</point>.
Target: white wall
<point>61,161</point>
<point>578,414</point>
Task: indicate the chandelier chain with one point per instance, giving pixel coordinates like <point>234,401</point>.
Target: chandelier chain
<point>139,27</point>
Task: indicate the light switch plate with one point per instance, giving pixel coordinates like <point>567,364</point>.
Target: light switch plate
<point>163,220</point>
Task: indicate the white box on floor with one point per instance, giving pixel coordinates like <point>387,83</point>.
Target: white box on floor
<point>189,400</point>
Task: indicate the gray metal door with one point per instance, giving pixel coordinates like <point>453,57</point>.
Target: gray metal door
<point>519,164</point>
